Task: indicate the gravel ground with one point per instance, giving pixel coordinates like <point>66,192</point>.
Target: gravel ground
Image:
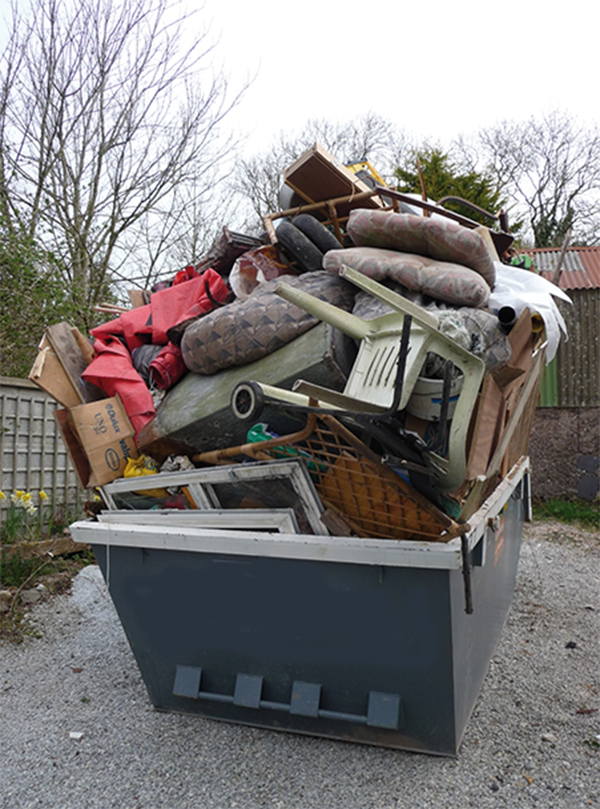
<point>531,742</point>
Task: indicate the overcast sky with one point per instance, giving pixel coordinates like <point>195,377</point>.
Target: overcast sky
<point>437,69</point>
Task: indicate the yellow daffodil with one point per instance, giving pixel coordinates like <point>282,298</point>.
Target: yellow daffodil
<point>43,495</point>
<point>2,495</point>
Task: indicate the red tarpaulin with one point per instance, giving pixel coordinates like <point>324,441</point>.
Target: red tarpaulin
<point>112,369</point>
<point>167,308</point>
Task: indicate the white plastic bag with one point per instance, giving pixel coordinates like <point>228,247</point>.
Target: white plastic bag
<point>520,289</point>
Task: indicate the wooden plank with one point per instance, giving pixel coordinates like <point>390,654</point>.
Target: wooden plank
<point>337,525</point>
<point>519,446</point>
<point>489,415</point>
<point>48,374</point>
<point>138,297</point>
<point>75,452</point>
<point>518,423</point>
<point>528,390</point>
<point>68,352</point>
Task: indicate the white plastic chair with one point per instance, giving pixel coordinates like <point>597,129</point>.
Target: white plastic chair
<point>370,386</point>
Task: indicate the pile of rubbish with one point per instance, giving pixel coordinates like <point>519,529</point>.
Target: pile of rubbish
<point>377,342</point>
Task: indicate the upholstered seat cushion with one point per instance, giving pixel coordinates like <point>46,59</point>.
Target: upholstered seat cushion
<point>441,280</point>
<point>247,330</point>
<point>437,238</point>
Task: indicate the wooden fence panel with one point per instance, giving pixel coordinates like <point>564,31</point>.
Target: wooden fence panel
<point>33,454</point>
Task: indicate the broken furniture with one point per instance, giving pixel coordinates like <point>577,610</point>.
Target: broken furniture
<point>317,176</point>
<point>363,496</point>
<point>370,386</point>
<point>195,415</point>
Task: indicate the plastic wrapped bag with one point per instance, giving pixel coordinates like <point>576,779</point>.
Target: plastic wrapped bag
<point>479,332</point>
<point>256,267</point>
<point>141,466</point>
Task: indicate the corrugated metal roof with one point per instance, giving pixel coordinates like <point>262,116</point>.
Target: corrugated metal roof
<point>580,267</point>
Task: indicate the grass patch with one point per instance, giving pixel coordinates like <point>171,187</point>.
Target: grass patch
<point>23,572</point>
<point>18,571</point>
<point>15,570</point>
<point>572,512</point>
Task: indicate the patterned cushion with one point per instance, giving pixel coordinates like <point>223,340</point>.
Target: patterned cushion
<point>447,282</point>
<point>245,331</point>
<point>438,238</point>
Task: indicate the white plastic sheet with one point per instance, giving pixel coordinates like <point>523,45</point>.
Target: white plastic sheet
<point>522,288</point>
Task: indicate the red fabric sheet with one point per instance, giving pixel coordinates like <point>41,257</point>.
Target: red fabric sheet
<point>167,308</point>
<point>184,301</point>
<point>112,369</point>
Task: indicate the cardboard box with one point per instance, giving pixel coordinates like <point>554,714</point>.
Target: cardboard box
<point>99,439</point>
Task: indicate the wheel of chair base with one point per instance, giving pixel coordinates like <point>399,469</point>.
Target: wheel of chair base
<point>316,232</point>
<point>247,401</point>
<point>299,247</point>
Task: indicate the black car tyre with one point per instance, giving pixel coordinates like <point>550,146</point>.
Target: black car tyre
<point>299,247</point>
<point>316,232</point>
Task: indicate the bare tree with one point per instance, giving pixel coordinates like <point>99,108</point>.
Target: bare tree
<point>110,117</point>
<point>550,168</point>
<point>258,179</point>
<point>369,137</point>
